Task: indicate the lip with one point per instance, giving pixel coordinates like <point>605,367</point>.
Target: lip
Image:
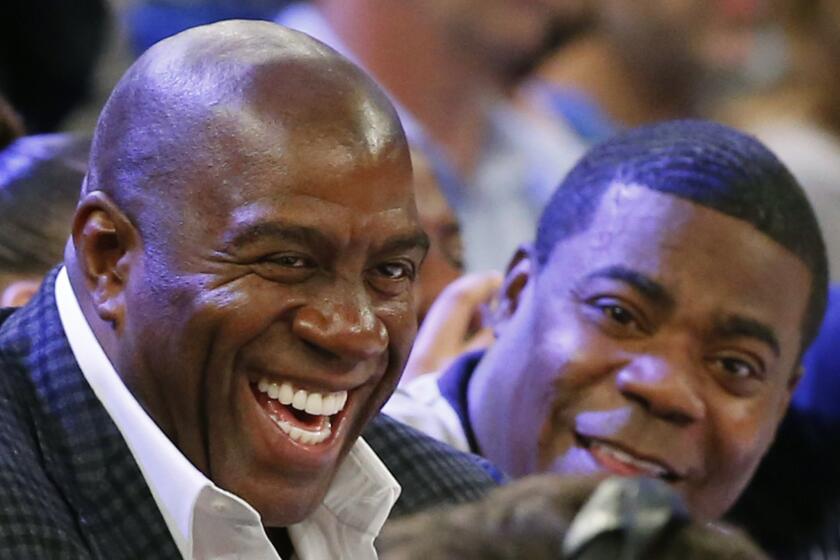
<point>277,448</point>
<point>306,385</point>
<point>615,464</point>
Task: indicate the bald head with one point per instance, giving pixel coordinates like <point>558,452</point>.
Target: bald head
<point>249,219</point>
<point>236,86</point>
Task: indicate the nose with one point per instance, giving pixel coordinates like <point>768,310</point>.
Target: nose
<point>664,388</point>
<point>347,328</point>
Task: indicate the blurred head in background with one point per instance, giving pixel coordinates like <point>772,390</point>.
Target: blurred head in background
<point>506,33</point>
<point>40,180</point>
<point>445,260</point>
<point>656,59</point>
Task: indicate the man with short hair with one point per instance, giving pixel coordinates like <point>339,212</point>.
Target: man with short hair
<point>235,306</point>
<point>656,325</point>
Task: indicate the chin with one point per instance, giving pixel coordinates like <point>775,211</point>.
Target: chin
<point>283,507</point>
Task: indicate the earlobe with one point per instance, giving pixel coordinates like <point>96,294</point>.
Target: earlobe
<point>104,240</point>
<point>518,275</point>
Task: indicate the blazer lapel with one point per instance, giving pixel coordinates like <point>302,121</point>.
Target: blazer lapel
<point>82,449</point>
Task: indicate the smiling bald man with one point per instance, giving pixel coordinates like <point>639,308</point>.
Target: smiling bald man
<point>235,306</point>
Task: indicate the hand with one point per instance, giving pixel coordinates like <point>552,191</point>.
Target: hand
<point>454,324</point>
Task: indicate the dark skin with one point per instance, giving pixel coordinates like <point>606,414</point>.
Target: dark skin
<point>653,343</point>
<point>249,215</point>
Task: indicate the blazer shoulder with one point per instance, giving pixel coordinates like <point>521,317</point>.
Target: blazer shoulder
<point>35,520</point>
<point>430,472</point>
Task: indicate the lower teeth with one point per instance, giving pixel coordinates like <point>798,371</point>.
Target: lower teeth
<point>303,436</point>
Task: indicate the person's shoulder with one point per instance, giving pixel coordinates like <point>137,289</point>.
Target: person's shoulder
<point>420,405</point>
<point>35,521</point>
<point>430,472</point>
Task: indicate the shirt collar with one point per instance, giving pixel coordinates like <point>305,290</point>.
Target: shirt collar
<point>356,506</point>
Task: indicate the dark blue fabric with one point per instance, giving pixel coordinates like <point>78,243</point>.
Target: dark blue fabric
<point>453,385</point>
<point>818,393</point>
<point>69,486</point>
<point>154,20</point>
<point>430,472</point>
<point>581,113</point>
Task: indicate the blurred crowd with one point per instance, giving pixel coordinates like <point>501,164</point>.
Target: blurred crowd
<point>499,100</point>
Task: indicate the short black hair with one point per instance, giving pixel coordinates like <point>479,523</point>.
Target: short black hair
<point>708,164</point>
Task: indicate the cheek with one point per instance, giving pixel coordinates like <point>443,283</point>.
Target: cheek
<point>582,363</point>
<point>738,439</point>
<point>400,320</point>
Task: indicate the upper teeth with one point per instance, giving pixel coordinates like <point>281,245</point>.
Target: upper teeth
<point>646,466</point>
<point>319,404</point>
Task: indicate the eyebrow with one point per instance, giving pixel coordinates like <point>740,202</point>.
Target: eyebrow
<point>408,242</point>
<point>313,236</point>
<point>278,230</point>
<point>738,325</point>
<point>647,286</point>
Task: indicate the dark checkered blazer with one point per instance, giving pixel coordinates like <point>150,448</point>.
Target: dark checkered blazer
<point>70,488</point>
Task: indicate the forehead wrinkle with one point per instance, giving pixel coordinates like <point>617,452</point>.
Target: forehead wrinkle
<point>279,230</point>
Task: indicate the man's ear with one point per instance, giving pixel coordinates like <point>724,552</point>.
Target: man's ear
<point>105,241</point>
<point>518,274</point>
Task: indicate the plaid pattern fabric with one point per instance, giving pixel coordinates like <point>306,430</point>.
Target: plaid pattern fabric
<point>69,486</point>
<point>430,472</point>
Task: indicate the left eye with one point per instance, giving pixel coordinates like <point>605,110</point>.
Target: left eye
<point>396,271</point>
<point>737,368</point>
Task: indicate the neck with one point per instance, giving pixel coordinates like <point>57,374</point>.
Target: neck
<point>282,542</point>
<point>445,88</point>
<point>107,337</point>
<point>628,95</point>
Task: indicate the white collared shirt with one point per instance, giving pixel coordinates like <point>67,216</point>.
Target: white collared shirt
<point>420,404</point>
<point>206,521</point>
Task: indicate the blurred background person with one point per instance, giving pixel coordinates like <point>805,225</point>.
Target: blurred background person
<point>450,65</point>
<point>633,63</point>
<point>40,180</point>
<point>799,118</point>
<point>552,518</point>
<point>444,262</point>
<point>449,306</point>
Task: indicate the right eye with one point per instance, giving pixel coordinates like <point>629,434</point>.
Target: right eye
<point>291,261</point>
<point>616,316</point>
<point>286,267</point>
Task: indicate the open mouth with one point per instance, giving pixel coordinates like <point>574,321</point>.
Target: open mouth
<point>624,462</point>
<point>307,417</point>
